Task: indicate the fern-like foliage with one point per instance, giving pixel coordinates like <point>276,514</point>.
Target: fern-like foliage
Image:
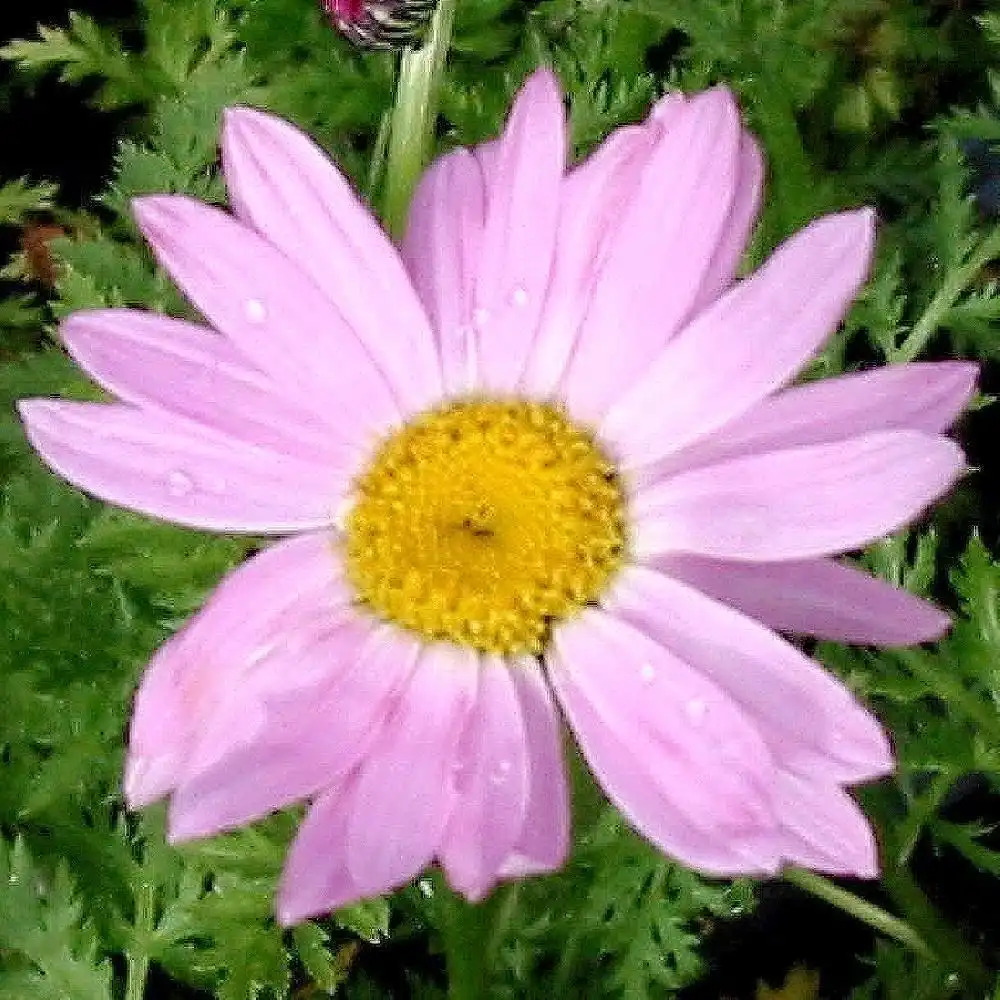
<point>855,101</point>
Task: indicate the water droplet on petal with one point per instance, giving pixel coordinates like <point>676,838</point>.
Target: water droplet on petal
<point>519,296</point>
<point>256,311</point>
<point>696,709</point>
<point>481,316</point>
<point>261,653</point>
<point>179,484</point>
<point>647,672</point>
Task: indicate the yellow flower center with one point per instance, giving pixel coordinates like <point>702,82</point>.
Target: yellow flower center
<point>484,522</point>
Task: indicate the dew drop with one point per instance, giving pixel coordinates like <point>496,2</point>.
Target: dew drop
<point>481,316</point>
<point>696,709</point>
<point>179,484</point>
<point>256,311</point>
<point>261,653</point>
<point>519,297</point>
<point>647,673</point>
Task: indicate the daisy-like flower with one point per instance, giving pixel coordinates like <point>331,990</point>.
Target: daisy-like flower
<point>545,456</point>
<point>379,24</point>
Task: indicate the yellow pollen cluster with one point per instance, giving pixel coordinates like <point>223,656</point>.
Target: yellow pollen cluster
<point>483,522</point>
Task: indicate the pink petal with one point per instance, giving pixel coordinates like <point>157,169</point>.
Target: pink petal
<point>802,712</point>
<point>668,110</point>
<point>680,759</point>
<point>823,828</point>
<point>281,183</point>
<point>441,251</point>
<point>519,233</point>
<point>487,153</point>
<point>816,597</point>
<point>594,198</point>
<point>749,343</point>
<point>207,661</point>
<point>406,787</point>
<point>315,879</point>
<point>254,756</point>
<point>544,839</point>
<point>159,731</point>
<point>166,364</point>
<point>742,216</point>
<point>922,396</point>
<point>273,313</point>
<point>492,785</point>
<point>169,468</point>
<point>797,503</point>
<point>661,254</point>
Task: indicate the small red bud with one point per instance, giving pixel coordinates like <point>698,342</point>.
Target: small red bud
<point>380,24</point>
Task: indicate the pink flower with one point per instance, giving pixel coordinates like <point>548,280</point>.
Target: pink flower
<point>548,449</point>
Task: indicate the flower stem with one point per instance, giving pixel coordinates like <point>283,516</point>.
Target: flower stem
<point>471,932</point>
<point>413,116</point>
<point>137,961</point>
<point>869,913</point>
<point>951,950</point>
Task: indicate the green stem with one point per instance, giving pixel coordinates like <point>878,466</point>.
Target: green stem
<point>137,961</point>
<point>869,913</point>
<point>952,951</point>
<point>377,165</point>
<point>912,826</point>
<point>471,933</point>
<point>955,283</point>
<point>414,115</point>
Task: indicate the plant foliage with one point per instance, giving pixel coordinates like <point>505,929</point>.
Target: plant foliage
<point>855,101</point>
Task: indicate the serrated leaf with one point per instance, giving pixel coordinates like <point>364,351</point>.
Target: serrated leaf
<point>368,919</point>
<point>80,51</point>
<point>41,920</point>
<point>19,199</point>
<point>329,970</point>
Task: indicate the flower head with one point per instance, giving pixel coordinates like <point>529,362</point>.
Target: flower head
<point>545,455</point>
<point>379,24</point>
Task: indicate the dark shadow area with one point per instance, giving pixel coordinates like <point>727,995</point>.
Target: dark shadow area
<point>50,130</point>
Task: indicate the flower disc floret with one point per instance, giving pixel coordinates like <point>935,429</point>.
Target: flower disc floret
<point>485,521</point>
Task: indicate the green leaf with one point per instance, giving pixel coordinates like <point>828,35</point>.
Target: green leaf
<point>20,199</point>
<point>41,923</point>
<point>83,50</point>
<point>368,919</point>
<point>329,971</point>
<point>966,840</point>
